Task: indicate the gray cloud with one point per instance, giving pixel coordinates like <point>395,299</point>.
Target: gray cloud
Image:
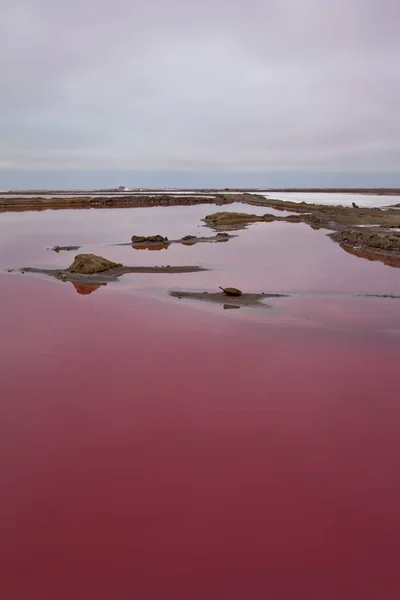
<point>255,85</point>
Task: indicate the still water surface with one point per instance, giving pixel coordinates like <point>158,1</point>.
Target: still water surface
<point>157,448</point>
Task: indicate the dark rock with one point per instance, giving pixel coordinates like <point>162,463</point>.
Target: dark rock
<point>89,264</point>
<point>150,239</point>
<point>231,291</point>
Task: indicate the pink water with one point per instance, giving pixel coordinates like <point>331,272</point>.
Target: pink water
<point>155,448</point>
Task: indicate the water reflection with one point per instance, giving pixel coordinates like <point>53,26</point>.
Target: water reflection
<point>87,288</point>
<point>391,261</point>
<point>150,246</point>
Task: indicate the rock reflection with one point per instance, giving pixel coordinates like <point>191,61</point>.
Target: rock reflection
<point>87,288</point>
<point>150,247</point>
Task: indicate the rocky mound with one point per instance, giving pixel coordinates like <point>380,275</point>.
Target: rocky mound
<point>231,291</point>
<point>231,219</point>
<point>89,264</point>
<point>150,239</point>
<point>379,240</point>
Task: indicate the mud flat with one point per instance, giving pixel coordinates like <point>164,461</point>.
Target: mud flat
<point>227,301</point>
<point>22,202</point>
<point>329,216</point>
<point>92,269</point>
<point>157,242</point>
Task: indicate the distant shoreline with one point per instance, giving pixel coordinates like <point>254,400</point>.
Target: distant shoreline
<point>172,191</point>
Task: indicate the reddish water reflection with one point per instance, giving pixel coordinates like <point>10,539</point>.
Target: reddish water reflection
<point>149,450</point>
<point>84,289</point>
<point>150,247</point>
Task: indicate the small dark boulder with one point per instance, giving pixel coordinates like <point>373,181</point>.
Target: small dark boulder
<point>150,239</point>
<point>231,291</point>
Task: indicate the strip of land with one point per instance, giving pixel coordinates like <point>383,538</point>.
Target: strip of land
<point>24,202</point>
<point>92,269</point>
<point>230,301</point>
<point>157,242</point>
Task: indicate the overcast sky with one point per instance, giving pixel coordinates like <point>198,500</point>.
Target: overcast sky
<point>230,89</point>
